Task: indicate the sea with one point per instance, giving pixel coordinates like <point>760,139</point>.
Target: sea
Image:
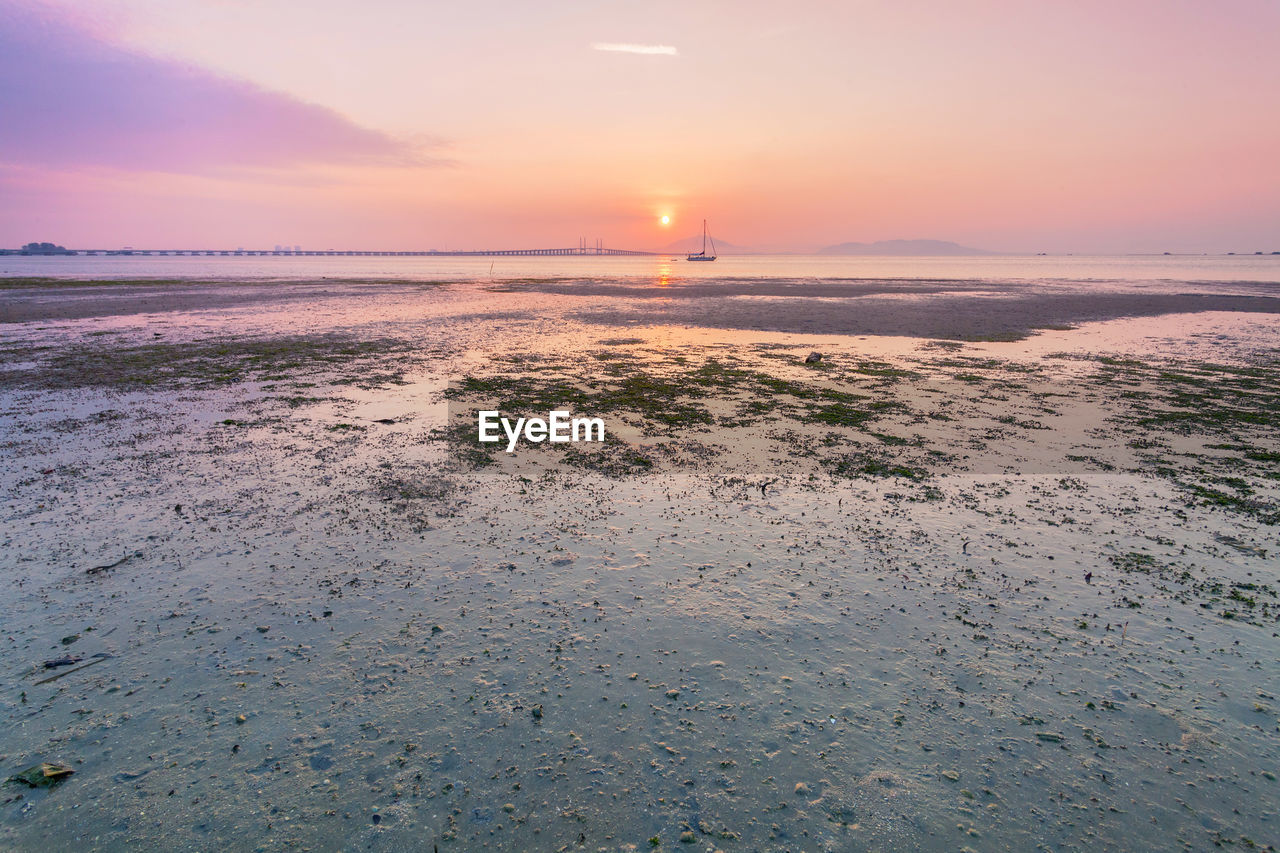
<point>669,269</point>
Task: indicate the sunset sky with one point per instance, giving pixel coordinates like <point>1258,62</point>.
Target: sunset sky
<point>401,124</point>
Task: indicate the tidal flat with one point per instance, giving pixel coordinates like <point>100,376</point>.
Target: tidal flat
<point>1005,579</point>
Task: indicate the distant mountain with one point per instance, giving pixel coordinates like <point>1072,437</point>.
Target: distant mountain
<point>694,244</point>
<point>903,247</point>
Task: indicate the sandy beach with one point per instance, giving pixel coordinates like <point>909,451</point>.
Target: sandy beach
<point>1001,577</point>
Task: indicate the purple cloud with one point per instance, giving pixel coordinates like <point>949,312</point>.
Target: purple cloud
<point>68,99</point>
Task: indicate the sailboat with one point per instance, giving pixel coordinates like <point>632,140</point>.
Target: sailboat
<point>703,256</point>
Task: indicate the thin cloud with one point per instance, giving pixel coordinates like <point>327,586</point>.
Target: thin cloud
<point>70,99</point>
<point>642,49</point>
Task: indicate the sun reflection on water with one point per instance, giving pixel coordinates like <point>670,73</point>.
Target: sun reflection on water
<point>664,273</point>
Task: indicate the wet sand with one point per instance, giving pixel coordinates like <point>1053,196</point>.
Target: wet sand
<point>957,317</point>
<point>915,308</point>
<point>927,594</point>
<point>39,300</point>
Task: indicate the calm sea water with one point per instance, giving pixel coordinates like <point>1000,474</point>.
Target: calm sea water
<point>1115,268</point>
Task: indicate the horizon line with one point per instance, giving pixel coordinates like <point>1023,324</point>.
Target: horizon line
<point>585,251</point>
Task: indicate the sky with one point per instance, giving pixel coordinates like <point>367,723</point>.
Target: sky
<point>1105,127</point>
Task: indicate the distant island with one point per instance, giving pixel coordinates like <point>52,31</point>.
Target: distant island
<point>39,249</point>
<point>903,247</point>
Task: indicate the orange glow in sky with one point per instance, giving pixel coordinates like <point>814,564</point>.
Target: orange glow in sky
<point>1086,127</point>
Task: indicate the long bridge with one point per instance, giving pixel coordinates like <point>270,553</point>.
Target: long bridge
<point>575,251</point>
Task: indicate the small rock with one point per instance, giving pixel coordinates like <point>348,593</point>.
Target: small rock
<point>673,694</point>
<point>508,807</point>
<point>802,790</point>
<point>241,719</point>
<point>536,710</point>
<point>813,358</point>
<point>687,837</point>
<point>262,629</point>
<point>950,775</point>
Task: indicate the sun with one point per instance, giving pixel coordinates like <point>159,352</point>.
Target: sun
<point>664,219</point>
